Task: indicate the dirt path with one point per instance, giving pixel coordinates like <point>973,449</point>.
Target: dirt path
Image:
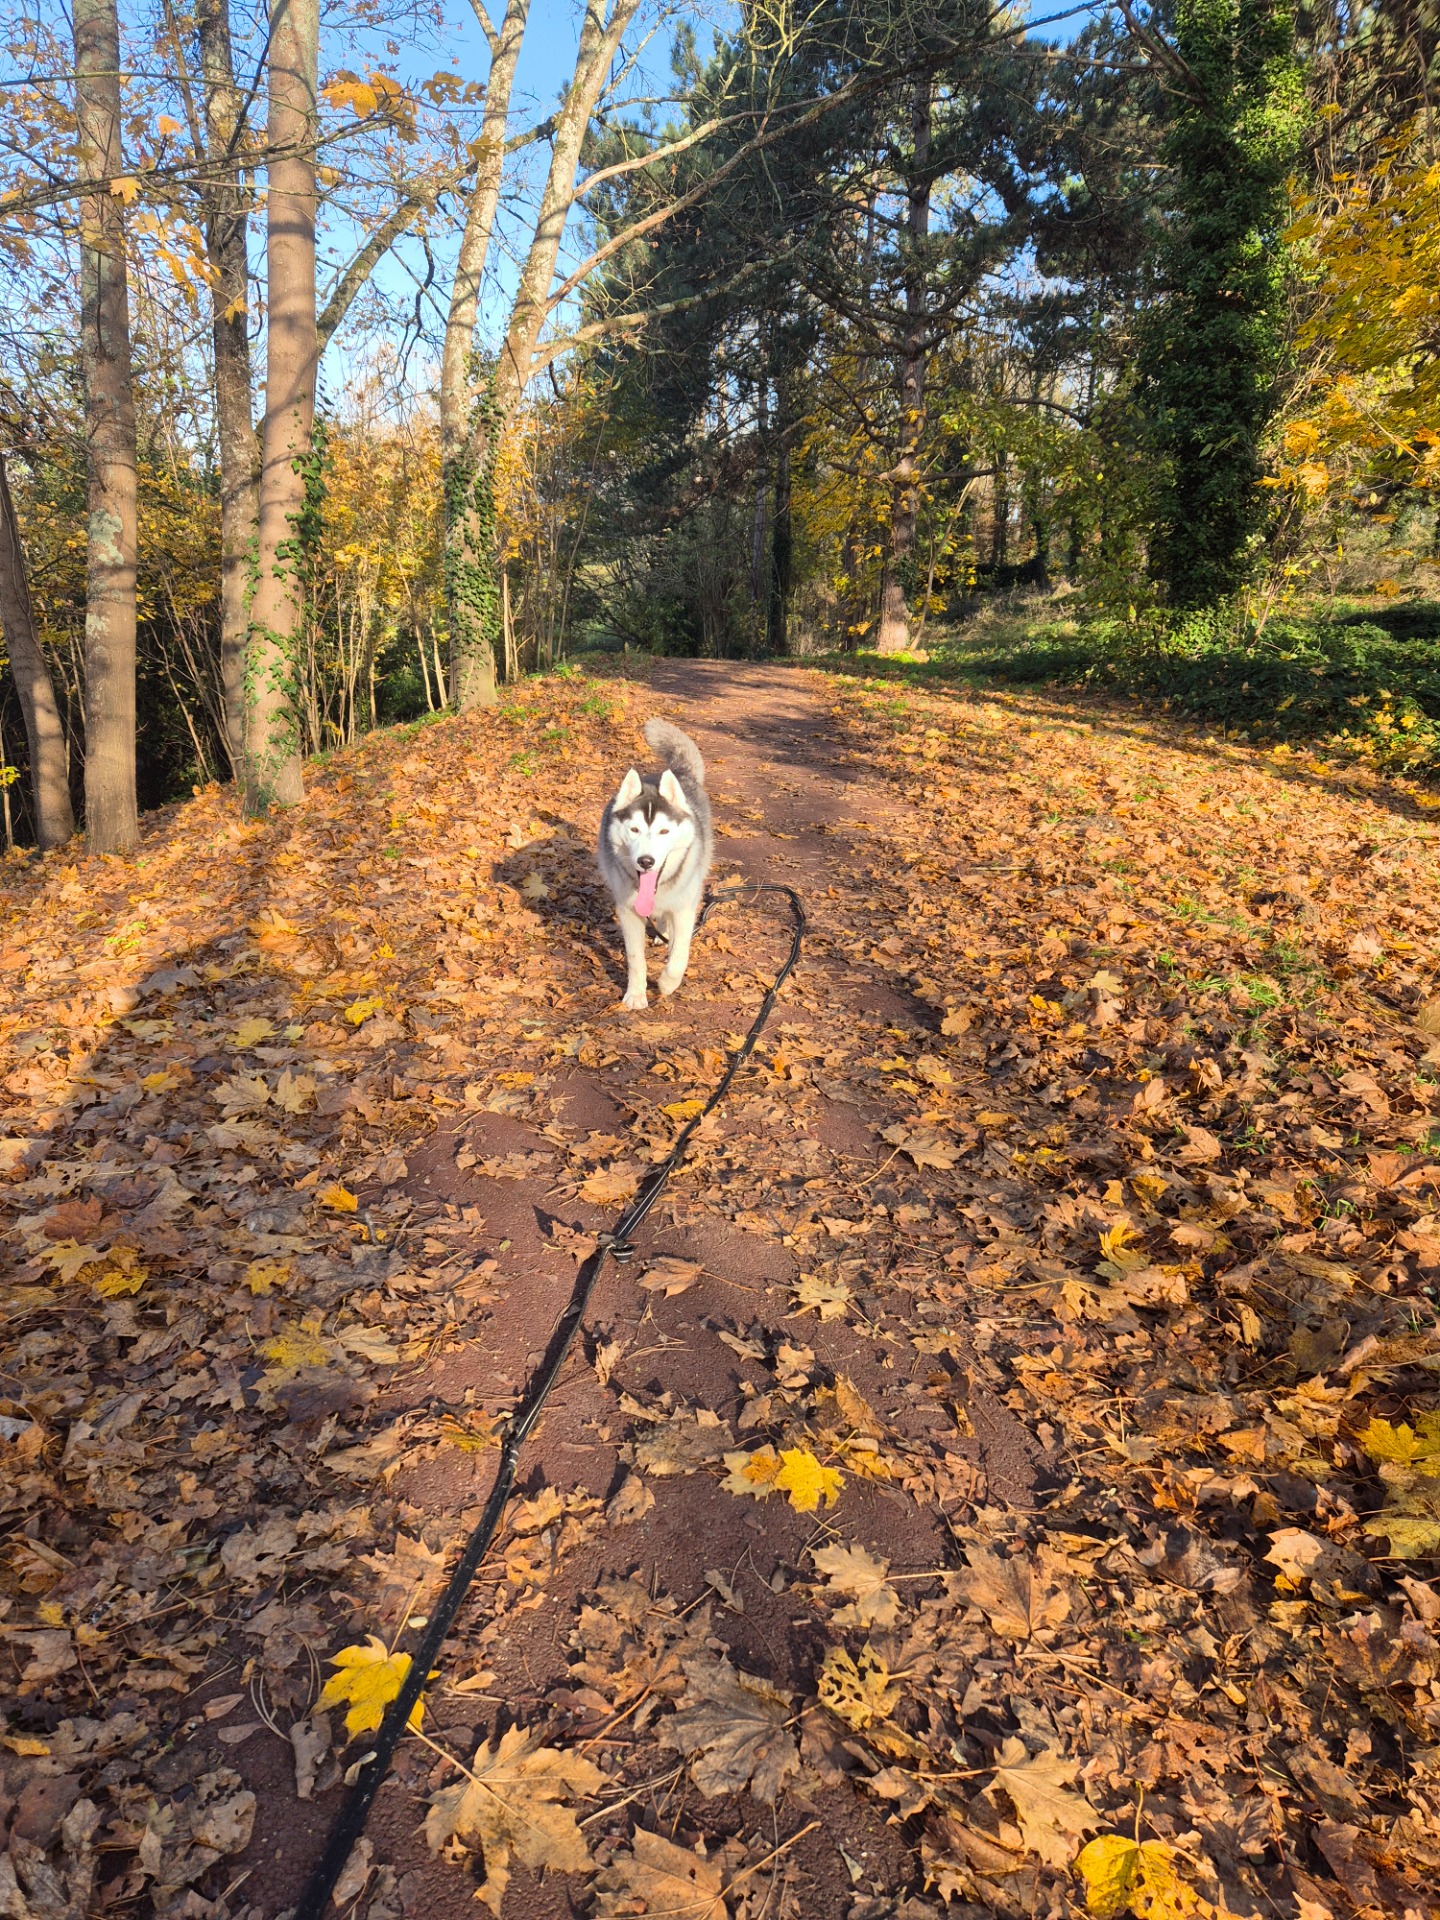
<point>789,807</point>
<point>1075,1230</point>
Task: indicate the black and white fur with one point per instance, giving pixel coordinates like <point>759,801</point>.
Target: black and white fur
<point>659,821</point>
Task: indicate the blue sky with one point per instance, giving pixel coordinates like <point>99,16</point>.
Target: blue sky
<point>546,65</point>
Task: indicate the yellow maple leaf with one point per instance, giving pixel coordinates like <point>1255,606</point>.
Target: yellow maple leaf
<point>338,1198</point>
<point>369,1677</point>
<point>359,1011</point>
<point>1402,1444</point>
<point>299,1347</point>
<point>683,1109</point>
<point>126,189</point>
<point>806,1482</point>
<point>753,1473</point>
<point>859,1692</point>
<point>514,1079</point>
<point>158,1082</point>
<point>263,1275</point>
<point>250,1032</point>
<point>71,1257</point>
<point>122,1273</point>
<point>1140,1877</point>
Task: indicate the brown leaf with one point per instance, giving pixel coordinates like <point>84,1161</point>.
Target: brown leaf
<point>515,1805</point>
<point>669,1274</point>
<point>1016,1600</point>
<point>1053,1818</point>
<point>856,1572</point>
<point>731,1728</point>
<point>657,1877</point>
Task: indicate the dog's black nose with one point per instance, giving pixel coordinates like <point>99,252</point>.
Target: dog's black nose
<point>645,861</point>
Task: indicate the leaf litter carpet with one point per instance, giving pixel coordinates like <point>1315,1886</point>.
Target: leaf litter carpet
<point>1007,1479</point>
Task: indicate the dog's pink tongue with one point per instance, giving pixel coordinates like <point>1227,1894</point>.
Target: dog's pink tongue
<point>645,895</point>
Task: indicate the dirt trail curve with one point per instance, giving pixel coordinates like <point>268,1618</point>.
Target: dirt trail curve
<point>1018,1413</point>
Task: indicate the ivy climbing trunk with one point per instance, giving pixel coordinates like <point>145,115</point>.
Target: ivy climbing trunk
<point>894,631</point>
<point>49,762</point>
<point>111,824</point>
<point>1212,349</point>
<point>471,583</point>
<point>272,775</point>
<point>227,206</point>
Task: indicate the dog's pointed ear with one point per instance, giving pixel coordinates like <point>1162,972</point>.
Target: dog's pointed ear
<point>629,790</point>
<point>672,793</point>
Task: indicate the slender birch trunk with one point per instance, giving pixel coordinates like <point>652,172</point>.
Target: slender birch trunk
<point>227,209</point>
<point>468,486</point>
<point>111,824</point>
<point>49,762</point>
<point>475,600</point>
<point>272,736</point>
<point>894,634</point>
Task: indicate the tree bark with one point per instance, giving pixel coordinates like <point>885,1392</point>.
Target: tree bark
<point>111,823</point>
<point>894,633</point>
<point>472,565</point>
<point>1000,529</point>
<point>49,762</point>
<point>272,734</point>
<point>470,581</point>
<point>782,538</point>
<point>227,210</point>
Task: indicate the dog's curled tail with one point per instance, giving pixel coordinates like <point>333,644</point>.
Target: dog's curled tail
<point>677,750</point>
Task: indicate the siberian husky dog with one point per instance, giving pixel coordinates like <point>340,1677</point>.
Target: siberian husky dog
<point>656,845</point>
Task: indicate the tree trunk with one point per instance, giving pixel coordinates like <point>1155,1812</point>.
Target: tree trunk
<point>272,735</point>
<point>49,763</point>
<point>111,825</point>
<point>473,571</point>
<point>226,242</point>
<point>470,583</point>
<point>1000,531</point>
<point>782,540</point>
<point>894,634</point>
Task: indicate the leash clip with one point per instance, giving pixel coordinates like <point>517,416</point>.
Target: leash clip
<point>619,1250</point>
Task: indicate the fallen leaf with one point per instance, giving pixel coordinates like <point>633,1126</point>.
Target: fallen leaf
<point>630,1502</point>
<point>608,1186</point>
<point>860,1692</point>
<point>369,1677</point>
<point>669,1274</point>
<point>924,1146</point>
<point>1014,1598</point>
<point>659,1878</point>
<point>1139,1877</point>
<point>828,1298</point>
<point>514,1804</point>
<point>731,1728</point>
<point>1052,1816</point>
<point>856,1571</point>
<point>795,1472</point>
<point>310,1742</point>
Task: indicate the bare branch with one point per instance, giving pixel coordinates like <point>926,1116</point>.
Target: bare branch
<point>348,283</point>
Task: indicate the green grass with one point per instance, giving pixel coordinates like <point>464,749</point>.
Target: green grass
<point>1363,682</point>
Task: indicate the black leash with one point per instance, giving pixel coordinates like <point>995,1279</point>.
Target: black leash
<point>350,1823</point>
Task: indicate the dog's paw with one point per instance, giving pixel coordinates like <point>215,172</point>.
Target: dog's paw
<point>668,982</point>
<point>635,1000</point>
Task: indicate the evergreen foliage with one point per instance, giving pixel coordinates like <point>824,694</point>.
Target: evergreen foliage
<point>1212,347</point>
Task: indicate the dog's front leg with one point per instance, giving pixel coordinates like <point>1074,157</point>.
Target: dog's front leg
<point>682,927</point>
<point>632,930</point>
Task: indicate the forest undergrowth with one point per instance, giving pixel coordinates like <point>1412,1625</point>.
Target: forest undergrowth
<point>1006,1482</point>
